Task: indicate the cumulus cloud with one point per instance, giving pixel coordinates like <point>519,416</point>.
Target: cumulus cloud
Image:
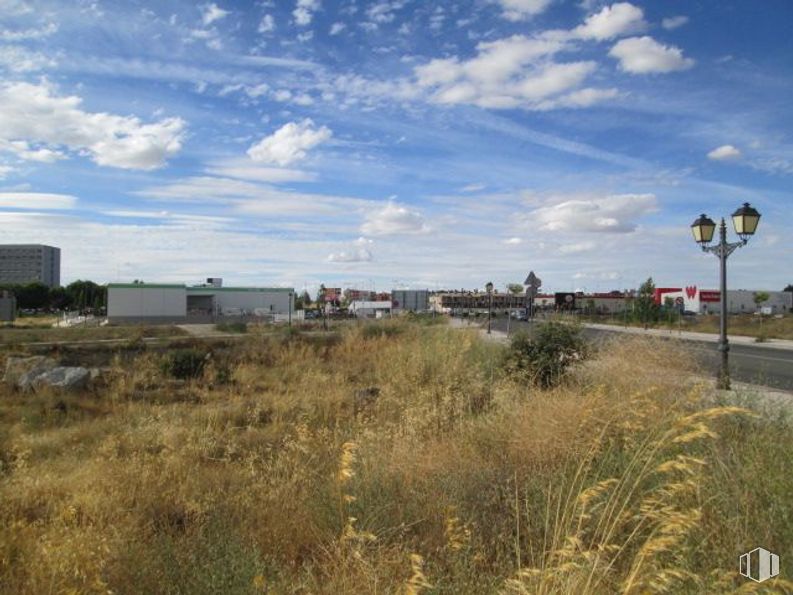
<point>611,214</point>
<point>622,18</point>
<point>304,11</point>
<point>518,10</point>
<point>508,73</point>
<point>289,143</point>
<point>512,241</point>
<point>212,12</point>
<point>394,219</point>
<point>267,24</point>
<point>358,252</point>
<point>33,113</point>
<point>670,23</point>
<point>643,55</point>
<point>724,153</point>
<point>383,11</point>
<point>337,28</point>
<point>19,59</point>
<point>37,200</point>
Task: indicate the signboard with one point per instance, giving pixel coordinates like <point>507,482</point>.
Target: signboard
<point>533,281</point>
<point>531,292</point>
<point>679,300</point>
<point>709,296</point>
<point>564,300</point>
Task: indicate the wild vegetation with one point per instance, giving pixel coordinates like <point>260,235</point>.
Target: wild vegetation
<point>392,457</point>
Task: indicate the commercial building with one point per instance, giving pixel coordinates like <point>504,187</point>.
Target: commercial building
<point>21,264</point>
<point>739,301</point>
<point>169,303</point>
<point>410,300</point>
<point>370,309</point>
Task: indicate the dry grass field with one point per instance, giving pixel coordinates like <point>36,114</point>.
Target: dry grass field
<point>392,458</point>
<point>748,325</point>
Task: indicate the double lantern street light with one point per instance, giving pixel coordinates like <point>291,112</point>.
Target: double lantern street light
<point>745,221</point>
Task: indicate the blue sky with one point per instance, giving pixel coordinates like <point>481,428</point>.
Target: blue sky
<point>396,143</point>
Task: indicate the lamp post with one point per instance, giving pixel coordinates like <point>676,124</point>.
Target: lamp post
<point>323,292</point>
<point>744,220</point>
<point>489,289</point>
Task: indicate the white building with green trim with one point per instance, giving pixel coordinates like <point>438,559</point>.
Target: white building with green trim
<point>169,303</point>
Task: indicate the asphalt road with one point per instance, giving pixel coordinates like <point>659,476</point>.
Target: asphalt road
<point>761,365</point>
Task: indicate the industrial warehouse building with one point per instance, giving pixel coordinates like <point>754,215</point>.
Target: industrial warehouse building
<point>172,303</point>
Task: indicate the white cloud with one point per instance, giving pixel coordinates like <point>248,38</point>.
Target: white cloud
<point>31,113</point>
<point>382,12</point>
<point>242,169</point>
<point>518,10</point>
<point>358,252</point>
<point>304,11</point>
<point>337,28</point>
<point>473,188</point>
<point>21,35</point>
<point>24,151</point>
<point>267,24</point>
<point>15,7</point>
<point>642,55</point>
<point>4,171</point>
<point>36,200</point>
<point>622,18</point>
<point>508,73</point>
<point>19,59</point>
<point>513,241</point>
<point>670,23</point>
<point>289,143</point>
<point>394,219</point>
<point>612,214</point>
<point>212,13</point>
<point>724,153</point>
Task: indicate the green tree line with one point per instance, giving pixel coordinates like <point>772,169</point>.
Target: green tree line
<point>78,295</point>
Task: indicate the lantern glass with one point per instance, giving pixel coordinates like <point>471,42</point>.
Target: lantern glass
<point>745,220</point>
<point>703,229</point>
<point>489,287</point>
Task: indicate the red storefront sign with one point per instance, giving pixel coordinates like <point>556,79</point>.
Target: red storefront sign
<point>709,296</point>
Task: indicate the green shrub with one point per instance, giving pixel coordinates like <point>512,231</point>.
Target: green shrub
<point>184,363</point>
<point>544,358</point>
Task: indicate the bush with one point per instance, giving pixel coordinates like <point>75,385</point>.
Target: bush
<point>544,358</point>
<point>184,363</point>
<point>232,327</point>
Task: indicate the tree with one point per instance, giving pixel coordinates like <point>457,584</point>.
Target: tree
<point>84,295</point>
<point>760,297</point>
<point>789,287</point>
<point>305,298</point>
<point>515,288</point>
<point>33,296</point>
<point>645,308</point>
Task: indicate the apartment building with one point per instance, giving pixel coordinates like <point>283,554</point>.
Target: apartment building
<point>21,264</point>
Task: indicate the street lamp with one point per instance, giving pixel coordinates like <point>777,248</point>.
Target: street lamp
<point>744,220</point>
<point>321,298</point>
<point>489,289</point>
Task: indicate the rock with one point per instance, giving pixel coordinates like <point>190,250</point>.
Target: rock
<point>63,378</point>
<point>20,371</point>
<point>27,373</point>
<point>364,397</point>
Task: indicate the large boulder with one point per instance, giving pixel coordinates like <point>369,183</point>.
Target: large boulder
<point>64,378</point>
<point>30,373</point>
<point>20,371</point>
